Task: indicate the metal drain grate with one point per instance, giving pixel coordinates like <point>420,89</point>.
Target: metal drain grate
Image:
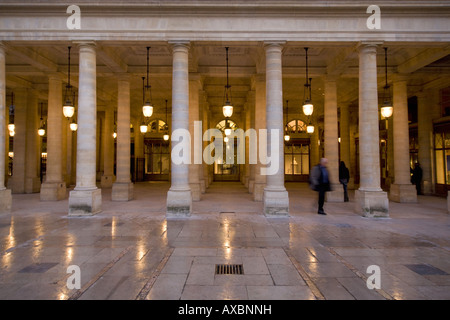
<point>229,269</point>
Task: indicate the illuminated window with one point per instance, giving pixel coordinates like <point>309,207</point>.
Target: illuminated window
<point>295,126</point>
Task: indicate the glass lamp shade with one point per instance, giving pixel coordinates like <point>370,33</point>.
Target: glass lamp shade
<point>68,109</point>
<point>308,108</point>
<point>226,139</point>
<point>147,109</point>
<point>115,135</point>
<point>287,137</point>
<point>387,110</point>
<point>143,128</point>
<point>12,133</point>
<point>73,126</point>
<point>11,127</point>
<point>310,129</point>
<point>227,110</point>
<point>166,137</point>
<point>41,131</point>
<point>227,131</point>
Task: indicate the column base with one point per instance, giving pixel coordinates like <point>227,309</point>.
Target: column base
<point>179,203</point>
<point>276,203</point>
<point>195,191</point>
<point>251,186</point>
<point>53,191</point>
<point>404,193</point>
<point>5,200</point>
<point>85,202</point>
<point>246,181</point>
<point>258,191</point>
<point>202,185</point>
<point>122,191</point>
<point>107,181</point>
<point>372,203</point>
<point>336,195</point>
<point>427,188</point>
<point>32,185</point>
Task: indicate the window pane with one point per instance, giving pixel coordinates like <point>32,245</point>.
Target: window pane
<point>447,139</point>
<point>288,149</point>
<point>165,159</point>
<point>438,140</point>
<point>288,164</point>
<point>148,163</point>
<point>297,164</point>
<point>296,149</point>
<point>440,170</point>
<point>156,163</point>
<point>305,164</point>
<point>305,149</point>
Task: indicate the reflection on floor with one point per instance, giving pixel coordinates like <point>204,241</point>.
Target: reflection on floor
<point>131,251</point>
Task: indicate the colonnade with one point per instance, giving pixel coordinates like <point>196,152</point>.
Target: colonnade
<point>188,181</point>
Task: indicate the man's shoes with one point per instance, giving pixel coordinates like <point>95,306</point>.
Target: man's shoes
<point>322,213</point>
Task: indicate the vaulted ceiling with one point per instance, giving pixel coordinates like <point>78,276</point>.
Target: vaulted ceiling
<point>27,65</point>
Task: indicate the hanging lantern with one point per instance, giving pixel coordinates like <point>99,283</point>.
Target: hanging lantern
<point>143,128</point>
<point>227,106</point>
<point>310,128</point>
<point>147,108</point>
<point>73,126</point>
<point>69,94</point>
<point>387,108</point>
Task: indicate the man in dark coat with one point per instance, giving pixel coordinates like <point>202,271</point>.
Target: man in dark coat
<point>344,177</point>
<point>417,177</point>
<point>320,182</point>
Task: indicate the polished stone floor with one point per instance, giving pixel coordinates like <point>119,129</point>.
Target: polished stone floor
<point>131,251</point>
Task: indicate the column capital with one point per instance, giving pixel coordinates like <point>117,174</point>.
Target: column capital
<point>55,76</point>
<point>177,45</point>
<point>399,77</point>
<point>259,77</point>
<point>330,78</point>
<point>85,43</point>
<point>368,46</point>
<point>123,76</point>
<point>275,44</point>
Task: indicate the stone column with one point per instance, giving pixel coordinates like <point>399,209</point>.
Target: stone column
<point>314,148</point>
<point>205,123</point>
<point>86,198</point>
<point>402,190</point>
<point>251,101</point>
<point>345,136</point>
<point>247,147</point>
<point>275,199</point>
<point>19,142</point>
<point>122,189</point>
<point>5,194</point>
<point>331,142</point>
<point>54,188</point>
<point>371,201</point>
<point>260,123</point>
<point>194,112</point>
<point>179,197</point>
<point>428,109</point>
<point>108,149</point>
<point>33,152</point>
<point>138,147</point>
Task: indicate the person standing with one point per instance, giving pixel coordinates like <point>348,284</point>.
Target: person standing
<point>417,177</point>
<point>320,182</point>
<point>344,177</point>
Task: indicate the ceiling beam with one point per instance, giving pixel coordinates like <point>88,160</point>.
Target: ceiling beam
<point>33,58</point>
<point>423,59</point>
<point>112,60</point>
